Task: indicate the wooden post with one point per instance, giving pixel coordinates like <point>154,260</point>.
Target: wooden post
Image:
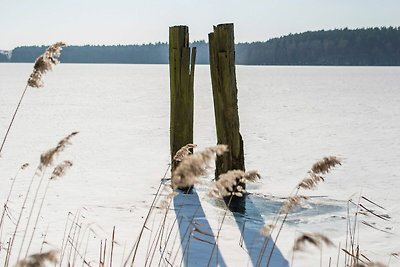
<point>181,69</point>
<point>223,78</point>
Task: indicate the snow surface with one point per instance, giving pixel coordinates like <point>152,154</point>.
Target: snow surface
<point>290,117</point>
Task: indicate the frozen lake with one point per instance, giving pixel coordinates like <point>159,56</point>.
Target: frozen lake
<point>290,117</point>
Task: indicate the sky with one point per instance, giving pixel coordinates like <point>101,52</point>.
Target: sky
<point>80,22</point>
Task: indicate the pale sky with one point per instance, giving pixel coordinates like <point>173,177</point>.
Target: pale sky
<point>79,22</point>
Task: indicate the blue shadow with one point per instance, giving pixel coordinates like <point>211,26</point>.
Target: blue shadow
<point>250,222</point>
<point>197,245</point>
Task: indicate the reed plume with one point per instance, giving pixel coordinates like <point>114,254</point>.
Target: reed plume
<point>325,164</point>
<point>24,166</point>
<point>47,157</point>
<point>291,202</point>
<point>314,175</point>
<point>267,229</point>
<point>183,152</point>
<point>61,169</point>
<point>42,64</point>
<point>313,178</point>
<point>45,63</point>
<point>195,165</point>
<point>231,183</point>
<point>39,260</point>
<point>315,239</point>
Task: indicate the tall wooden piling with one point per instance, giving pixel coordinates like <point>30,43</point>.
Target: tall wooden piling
<point>223,78</point>
<point>181,68</point>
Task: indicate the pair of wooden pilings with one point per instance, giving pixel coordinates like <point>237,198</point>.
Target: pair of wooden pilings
<point>223,77</point>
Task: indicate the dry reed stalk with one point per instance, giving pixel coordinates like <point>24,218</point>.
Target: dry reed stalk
<point>369,264</point>
<point>72,241</point>
<point>39,260</point>
<point>75,248</point>
<point>59,171</point>
<point>149,243</point>
<point>160,233</point>
<point>230,184</point>
<point>30,214</point>
<point>314,177</point>
<point>8,252</point>
<point>185,176</point>
<point>137,242</point>
<point>87,227</point>
<point>219,231</point>
<point>177,232</point>
<point>64,237</point>
<point>42,64</point>
<point>86,249</point>
<point>44,239</point>
<point>46,159</point>
<point>179,156</point>
<point>112,246</point>
<point>23,167</point>
<point>352,248</point>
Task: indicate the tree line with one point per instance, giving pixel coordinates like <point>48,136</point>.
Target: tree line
<point>343,47</point>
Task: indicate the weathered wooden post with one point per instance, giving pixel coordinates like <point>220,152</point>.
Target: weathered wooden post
<point>181,70</point>
<point>223,78</point>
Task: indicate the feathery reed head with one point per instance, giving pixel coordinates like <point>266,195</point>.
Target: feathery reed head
<point>195,165</point>
<point>183,152</point>
<point>291,202</point>
<point>45,63</point>
<point>314,175</point>
<point>61,169</point>
<point>232,182</point>
<point>24,166</point>
<point>267,229</point>
<point>47,157</point>
<point>315,239</point>
<point>325,164</point>
<point>39,260</point>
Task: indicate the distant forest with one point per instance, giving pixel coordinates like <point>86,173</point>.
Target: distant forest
<point>344,47</point>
